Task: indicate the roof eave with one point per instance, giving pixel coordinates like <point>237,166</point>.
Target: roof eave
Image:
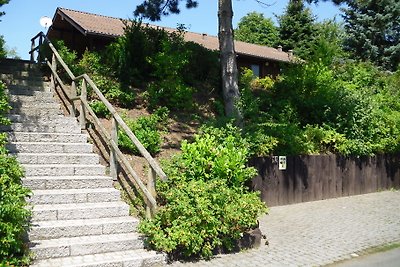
<point>71,21</point>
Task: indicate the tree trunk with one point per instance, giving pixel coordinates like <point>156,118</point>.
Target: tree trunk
<point>230,86</point>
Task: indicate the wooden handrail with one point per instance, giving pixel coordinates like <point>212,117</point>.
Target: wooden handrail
<point>117,121</point>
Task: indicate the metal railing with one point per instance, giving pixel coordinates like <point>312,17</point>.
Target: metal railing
<point>149,189</point>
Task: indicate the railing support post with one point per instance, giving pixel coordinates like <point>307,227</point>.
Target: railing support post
<point>40,44</point>
<point>72,109</point>
<point>82,115</point>
<point>151,187</point>
<point>33,50</point>
<point>113,155</point>
<point>54,70</point>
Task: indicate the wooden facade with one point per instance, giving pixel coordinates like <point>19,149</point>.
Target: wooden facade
<point>317,177</point>
<point>82,30</point>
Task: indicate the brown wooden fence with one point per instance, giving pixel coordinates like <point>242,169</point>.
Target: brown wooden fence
<point>309,178</point>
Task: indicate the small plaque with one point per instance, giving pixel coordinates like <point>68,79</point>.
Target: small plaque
<point>282,162</point>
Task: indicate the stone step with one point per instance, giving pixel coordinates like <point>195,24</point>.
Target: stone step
<point>34,105</point>
<point>41,127</point>
<point>86,245</point>
<point>27,82</point>
<point>27,90</point>
<point>36,111</point>
<point>18,64</point>
<point>48,147</point>
<point>78,211</point>
<point>67,182</point>
<point>57,158</point>
<point>20,75</point>
<point>51,119</point>
<point>128,258</point>
<point>41,230</point>
<point>47,137</point>
<point>48,98</point>
<point>68,196</point>
<point>63,169</point>
<point>21,72</point>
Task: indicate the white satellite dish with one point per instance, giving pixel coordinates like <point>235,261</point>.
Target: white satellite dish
<point>45,22</point>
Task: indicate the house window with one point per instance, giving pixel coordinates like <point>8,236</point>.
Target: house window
<point>256,69</point>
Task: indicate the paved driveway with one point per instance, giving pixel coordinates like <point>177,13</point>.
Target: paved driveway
<point>321,232</point>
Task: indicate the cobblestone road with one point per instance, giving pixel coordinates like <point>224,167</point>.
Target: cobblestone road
<point>320,233</point>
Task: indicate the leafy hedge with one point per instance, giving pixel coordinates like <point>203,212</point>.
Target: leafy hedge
<point>205,203</point>
<point>14,214</point>
<point>349,108</point>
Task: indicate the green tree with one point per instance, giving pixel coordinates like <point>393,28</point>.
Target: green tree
<point>328,44</point>
<point>373,28</point>
<point>154,9</point>
<point>3,2</point>
<point>297,28</point>
<point>254,28</point>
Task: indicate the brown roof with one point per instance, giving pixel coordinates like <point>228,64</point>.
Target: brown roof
<point>94,24</point>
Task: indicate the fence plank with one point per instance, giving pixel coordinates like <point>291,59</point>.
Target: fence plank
<point>309,178</point>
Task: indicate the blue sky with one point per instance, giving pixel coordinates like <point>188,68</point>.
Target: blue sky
<point>21,21</point>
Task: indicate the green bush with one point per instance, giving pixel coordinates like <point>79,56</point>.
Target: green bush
<point>147,129</point>
<point>70,58</point>
<point>100,109</point>
<point>349,108</point>
<point>205,204</point>
<point>168,87</point>
<point>3,51</point>
<point>13,212</point>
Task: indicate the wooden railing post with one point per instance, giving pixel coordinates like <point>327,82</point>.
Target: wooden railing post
<point>82,115</point>
<point>54,70</point>
<point>40,44</point>
<point>113,156</point>
<point>33,50</point>
<point>151,187</point>
<point>72,110</point>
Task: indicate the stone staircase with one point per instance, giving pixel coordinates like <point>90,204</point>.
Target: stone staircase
<point>78,217</point>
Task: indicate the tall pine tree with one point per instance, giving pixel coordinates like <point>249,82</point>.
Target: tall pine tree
<point>373,28</point>
<point>254,28</point>
<point>297,29</point>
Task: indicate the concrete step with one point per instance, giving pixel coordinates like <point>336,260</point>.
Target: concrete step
<point>68,196</point>
<point>34,105</point>
<point>27,90</point>
<point>20,75</point>
<point>48,147</point>
<point>86,245</point>
<point>78,211</point>
<point>41,230</point>
<point>51,119</point>
<point>57,158</point>
<point>47,98</point>
<point>127,258</point>
<point>27,82</point>
<point>63,169</point>
<point>47,137</point>
<point>67,182</point>
<point>18,64</point>
<point>41,127</point>
<point>36,111</point>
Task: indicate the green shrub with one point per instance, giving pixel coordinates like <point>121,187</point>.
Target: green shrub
<point>13,213</point>
<point>3,51</point>
<point>168,87</point>
<point>100,109</point>
<point>349,108</point>
<point>205,203</point>
<point>147,129</point>
<point>70,58</point>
